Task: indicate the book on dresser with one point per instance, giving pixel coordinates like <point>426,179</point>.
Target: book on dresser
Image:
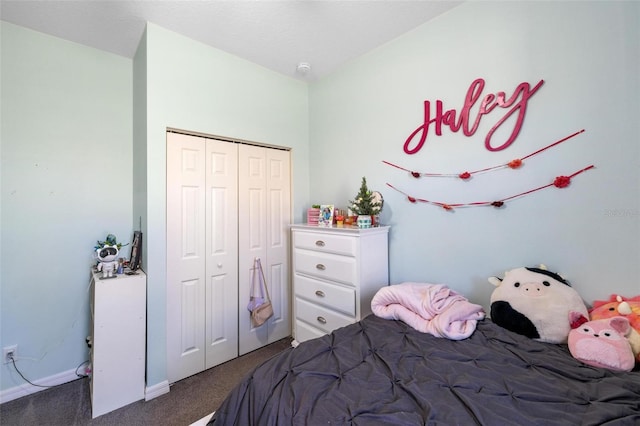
<point>336,273</point>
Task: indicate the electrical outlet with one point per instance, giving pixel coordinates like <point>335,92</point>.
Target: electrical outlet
<point>9,352</point>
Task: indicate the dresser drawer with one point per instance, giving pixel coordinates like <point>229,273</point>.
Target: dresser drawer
<point>340,298</point>
<point>326,243</point>
<point>320,317</point>
<point>306,332</point>
<point>324,265</point>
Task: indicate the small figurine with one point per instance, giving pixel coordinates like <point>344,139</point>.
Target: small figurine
<point>107,253</point>
<point>108,263</point>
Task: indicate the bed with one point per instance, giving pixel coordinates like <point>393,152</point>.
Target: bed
<point>380,371</point>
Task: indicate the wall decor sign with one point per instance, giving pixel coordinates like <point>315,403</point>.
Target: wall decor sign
<point>515,104</point>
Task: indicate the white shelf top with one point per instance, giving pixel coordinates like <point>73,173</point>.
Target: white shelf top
<point>340,229</point>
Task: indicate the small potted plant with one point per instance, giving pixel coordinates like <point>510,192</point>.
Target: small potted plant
<point>367,205</point>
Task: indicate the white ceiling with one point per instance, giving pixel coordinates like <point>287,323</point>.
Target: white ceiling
<point>275,34</point>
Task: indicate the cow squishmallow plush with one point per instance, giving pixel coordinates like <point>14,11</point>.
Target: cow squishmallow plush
<point>601,343</point>
<point>536,303</point>
<point>628,307</point>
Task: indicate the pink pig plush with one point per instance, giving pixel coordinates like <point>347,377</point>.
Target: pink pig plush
<point>601,343</point>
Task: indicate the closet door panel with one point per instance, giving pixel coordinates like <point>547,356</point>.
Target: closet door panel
<point>222,250</point>
<point>255,218</point>
<point>251,238</point>
<point>191,336</point>
<point>277,288</point>
<point>222,343</point>
<point>185,255</point>
<point>278,220</point>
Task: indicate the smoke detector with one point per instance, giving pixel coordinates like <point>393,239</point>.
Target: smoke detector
<point>303,68</point>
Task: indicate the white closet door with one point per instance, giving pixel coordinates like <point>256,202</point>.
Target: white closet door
<point>227,204</point>
<point>185,255</point>
<point>264,215</point>
<point>222,252</point>
<point>278,221</point>
<point>202,267</point>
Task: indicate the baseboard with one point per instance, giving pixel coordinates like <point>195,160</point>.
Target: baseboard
<point>155,391</point>
<point>28,389</point>
<point>25,389</point>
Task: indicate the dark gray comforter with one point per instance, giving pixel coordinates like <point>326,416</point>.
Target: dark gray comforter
<point>384,372</point>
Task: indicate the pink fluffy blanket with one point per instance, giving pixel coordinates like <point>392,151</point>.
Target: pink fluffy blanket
<point>429,308</point>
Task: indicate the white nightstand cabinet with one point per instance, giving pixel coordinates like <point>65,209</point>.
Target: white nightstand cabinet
<point>118,331</point>
<point>336,273</point>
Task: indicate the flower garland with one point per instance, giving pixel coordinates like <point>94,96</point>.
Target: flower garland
<point>558,182</point>
<point>513,164</point>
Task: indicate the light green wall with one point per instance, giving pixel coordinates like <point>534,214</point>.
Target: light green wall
<point>66,182</point>
<point>193,87</point>
<point>588,53</point>
<point>139,140</point>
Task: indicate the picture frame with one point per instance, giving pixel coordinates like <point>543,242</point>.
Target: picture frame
<point>136,251</point>
<point>326,215</point>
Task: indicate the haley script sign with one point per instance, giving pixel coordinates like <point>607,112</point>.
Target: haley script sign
<point>516,104</point>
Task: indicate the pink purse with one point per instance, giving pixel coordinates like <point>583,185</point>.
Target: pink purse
<point>259,305</point>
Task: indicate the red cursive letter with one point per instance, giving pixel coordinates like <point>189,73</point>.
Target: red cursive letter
<point>521,107</point>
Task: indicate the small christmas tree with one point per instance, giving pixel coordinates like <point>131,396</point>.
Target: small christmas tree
<point>365,202</point>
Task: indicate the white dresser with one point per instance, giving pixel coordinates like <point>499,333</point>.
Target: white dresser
<point>118,335</point>
<point>336,273</point>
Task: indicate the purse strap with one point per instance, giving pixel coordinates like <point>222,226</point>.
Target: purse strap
<point>264,280</point>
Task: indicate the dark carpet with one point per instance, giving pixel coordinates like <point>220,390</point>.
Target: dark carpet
<point>188,401</point>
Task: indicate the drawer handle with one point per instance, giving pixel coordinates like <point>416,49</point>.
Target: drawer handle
<point>320,266</point>
<point>321,320</point>
<point>319,293</point>
<point>320,243</point>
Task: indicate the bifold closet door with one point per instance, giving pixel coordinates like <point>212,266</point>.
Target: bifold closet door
<point>264,207</point>
<point>202,263</point>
